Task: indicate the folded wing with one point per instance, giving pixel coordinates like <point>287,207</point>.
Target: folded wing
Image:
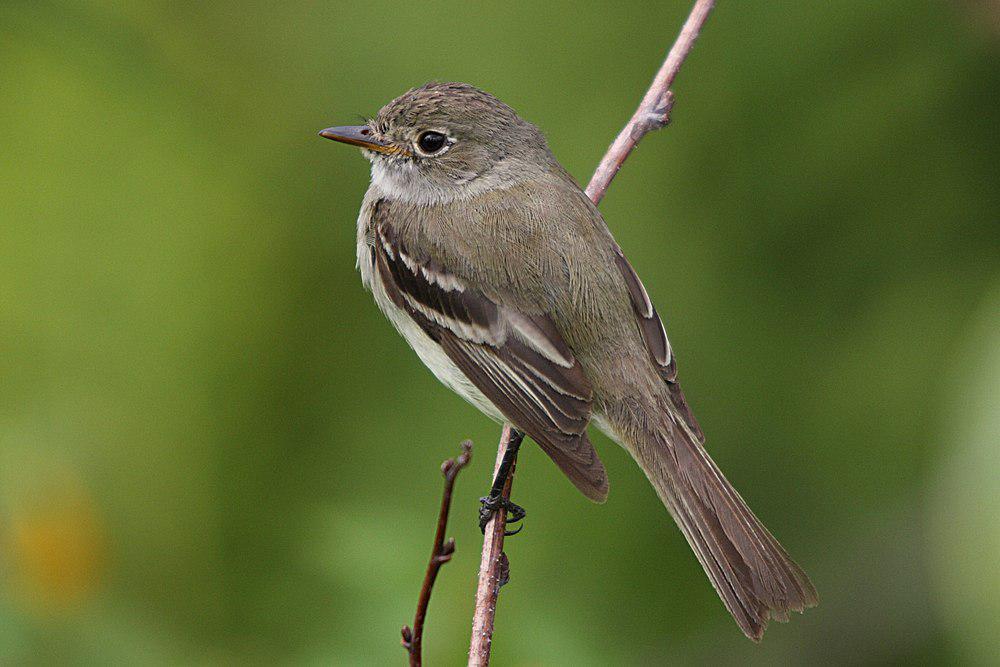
<point>516,359</point>
<point>654,335</point>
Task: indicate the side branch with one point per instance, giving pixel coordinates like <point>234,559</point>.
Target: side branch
<point>654,110</point>
<point>441,554</point>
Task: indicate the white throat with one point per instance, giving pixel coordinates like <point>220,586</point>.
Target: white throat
<point>403,181</point>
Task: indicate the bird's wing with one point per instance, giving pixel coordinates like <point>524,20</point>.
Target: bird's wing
<point>518,360</point>
<point>654,335</point>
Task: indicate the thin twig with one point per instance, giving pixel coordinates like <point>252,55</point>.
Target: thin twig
<point>654,110</point>
<point>493,568</point>
<point>441,554</point>
<point>652,114</point>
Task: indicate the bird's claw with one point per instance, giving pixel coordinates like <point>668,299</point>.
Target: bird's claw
<point>491,504</point>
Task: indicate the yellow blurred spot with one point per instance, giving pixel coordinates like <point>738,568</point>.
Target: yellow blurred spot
<point>56,551</point>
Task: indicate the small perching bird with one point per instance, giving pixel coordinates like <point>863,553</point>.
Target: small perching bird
<point>502,275</point>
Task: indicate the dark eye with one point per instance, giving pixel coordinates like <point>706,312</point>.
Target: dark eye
<point>431,142</point>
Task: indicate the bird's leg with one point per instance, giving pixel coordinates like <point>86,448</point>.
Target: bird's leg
<point>495,500</point>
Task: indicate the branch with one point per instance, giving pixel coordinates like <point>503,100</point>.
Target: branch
<point>654,110</point>
<point>494,568</point>
<point>441,554</point>
<point>652,114</point>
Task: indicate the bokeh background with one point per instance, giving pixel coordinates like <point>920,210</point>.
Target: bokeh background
<point>214,450</point>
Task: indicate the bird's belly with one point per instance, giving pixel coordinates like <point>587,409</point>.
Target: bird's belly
<point>430,352</point>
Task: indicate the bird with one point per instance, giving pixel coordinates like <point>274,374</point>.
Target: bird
<point>504,278</point>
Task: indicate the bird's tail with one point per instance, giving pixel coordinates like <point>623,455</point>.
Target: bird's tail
<point>749,569</point>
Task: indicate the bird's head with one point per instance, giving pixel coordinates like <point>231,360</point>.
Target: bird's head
<point>445,141</point>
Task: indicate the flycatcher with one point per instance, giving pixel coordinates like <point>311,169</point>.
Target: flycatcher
<point>502,275</point>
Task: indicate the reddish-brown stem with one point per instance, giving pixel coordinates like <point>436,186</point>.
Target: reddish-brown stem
<point>652,114</point>
<point>440,554</point>
<point>493,568</point>
<point>654,110</point>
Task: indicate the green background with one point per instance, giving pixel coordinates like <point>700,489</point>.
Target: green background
<point>214,449</point>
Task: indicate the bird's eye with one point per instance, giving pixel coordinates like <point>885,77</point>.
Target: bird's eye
<point>430,143</point>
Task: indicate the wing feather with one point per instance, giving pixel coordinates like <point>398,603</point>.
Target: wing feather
<point>650,324</point>
<point>518,360</point>
<point>654,335</point>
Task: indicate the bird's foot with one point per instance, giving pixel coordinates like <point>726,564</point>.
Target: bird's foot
<point>493,503</point>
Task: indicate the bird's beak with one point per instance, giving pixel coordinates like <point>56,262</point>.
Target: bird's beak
<point>361,136</point>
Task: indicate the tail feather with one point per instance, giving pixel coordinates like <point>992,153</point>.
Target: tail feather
<point>749,569</point>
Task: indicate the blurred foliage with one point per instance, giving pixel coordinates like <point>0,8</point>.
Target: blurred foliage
<point>213,449</point>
